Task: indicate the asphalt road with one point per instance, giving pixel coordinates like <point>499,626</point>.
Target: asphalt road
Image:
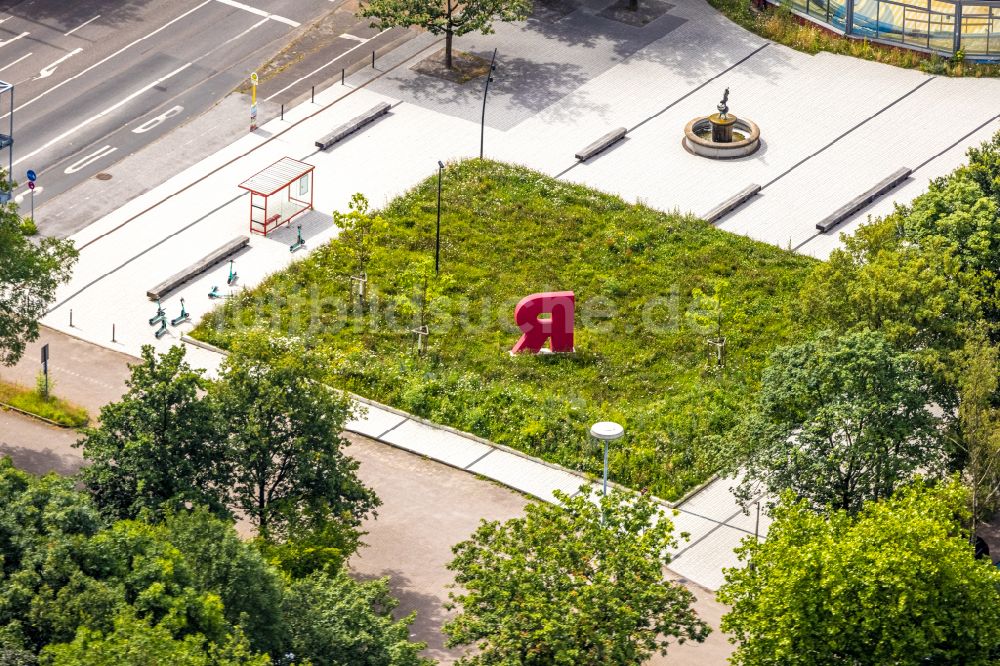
<point>96,80</point>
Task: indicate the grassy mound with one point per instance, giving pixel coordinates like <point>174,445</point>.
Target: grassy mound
<point>51,408</point>
<point>642,324</point>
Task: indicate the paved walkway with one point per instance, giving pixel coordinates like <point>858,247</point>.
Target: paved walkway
<point>832,126</point>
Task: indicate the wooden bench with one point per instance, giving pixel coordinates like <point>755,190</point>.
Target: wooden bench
<point>603,143</point>
<point>731,204</point>
<point>197,268</point>
<point>862,200</point>
<point>353,125</point>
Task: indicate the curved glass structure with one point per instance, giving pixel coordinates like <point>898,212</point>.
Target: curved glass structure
<point>939,26</point>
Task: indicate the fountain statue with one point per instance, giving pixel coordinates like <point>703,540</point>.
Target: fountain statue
<point>721,135</point>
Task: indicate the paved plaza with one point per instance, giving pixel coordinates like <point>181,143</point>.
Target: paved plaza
<point>831,126</point>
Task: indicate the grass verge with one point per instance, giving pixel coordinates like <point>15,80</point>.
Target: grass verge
<point>780,25</point>
<point>650,289</point>
<point>51,408</point>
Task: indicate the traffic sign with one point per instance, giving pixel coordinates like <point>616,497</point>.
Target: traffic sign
<point>32,176</point>
<point>253,78</point>
<point>31,185</point>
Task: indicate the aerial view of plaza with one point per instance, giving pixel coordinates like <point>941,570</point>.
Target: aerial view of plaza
<point>499,332</point>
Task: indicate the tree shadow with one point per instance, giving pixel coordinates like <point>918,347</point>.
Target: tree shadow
<point>41,461</point>
<point>63,16</point>
<point>431,614</point>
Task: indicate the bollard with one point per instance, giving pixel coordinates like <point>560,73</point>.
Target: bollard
<point>71,317</point>
<point>282,111</point>
<point>341,76</point>
<point>113,333</point>
<point>313,97</point>
<point>373,60</point>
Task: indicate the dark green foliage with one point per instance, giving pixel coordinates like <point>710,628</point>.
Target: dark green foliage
<point>579,584</point>
<point>839,421</point>
<point>508,232</point>
<point>895,584</point>
<point>337,621</point>
<point>29,274</point>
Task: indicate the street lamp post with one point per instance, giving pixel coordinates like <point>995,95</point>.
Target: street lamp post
<point>606,431</point>
<point>437,235</point>
<point>486,89</point>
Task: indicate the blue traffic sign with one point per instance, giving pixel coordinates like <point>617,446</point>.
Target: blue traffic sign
<point>32,176</point>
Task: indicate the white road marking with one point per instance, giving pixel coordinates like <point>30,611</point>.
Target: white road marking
<point>67,34</point>
<point>322,67</point>
<point>345,35</point>
<point>50,70</point>
<point>157,120</point>
<point>103,113</point>
<point>15,62</point>
<point>27,193</point>
<point>260,12</point>
<point>14,39</point>
<point>101,62</point>
<point>89,159</point>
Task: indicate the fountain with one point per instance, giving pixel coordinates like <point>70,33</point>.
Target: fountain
<point>722,135</point>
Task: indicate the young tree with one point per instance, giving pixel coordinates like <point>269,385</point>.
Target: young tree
<point>895,584</point>
<point>839,421</point>
<point>359,232</point>
<point>29,274</point>
<point>159,446</point>
<point>559,586</point>
<point>285,439</point>
<point>451,17</point>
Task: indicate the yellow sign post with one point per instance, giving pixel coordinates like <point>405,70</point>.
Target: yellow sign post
<point>253,101</point>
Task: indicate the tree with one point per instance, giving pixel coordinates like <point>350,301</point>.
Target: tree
<point>29,274</point>
<point>159,446</point>
<point>450,17</point>
<point>559,587</point>
<point>839,421</point>
<point>338,621</point>
<point>895,584</point>
<point>285,439</point>
<point>359,233</point>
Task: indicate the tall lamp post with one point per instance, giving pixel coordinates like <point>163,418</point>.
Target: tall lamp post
<point>486,89</point>
<point>606,431</point>
<point>437,235</point>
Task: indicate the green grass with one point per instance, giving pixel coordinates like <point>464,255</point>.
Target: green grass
<point>51,408</point>
<point>508,232</point>
<point>779,24</point>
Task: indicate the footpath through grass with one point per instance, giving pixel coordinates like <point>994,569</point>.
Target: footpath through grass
<point>779,24</point>
<point>642,356</point>
<point>51,407</point>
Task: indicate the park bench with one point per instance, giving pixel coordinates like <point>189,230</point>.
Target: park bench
<point>353,125</point>
<point>197,268</point>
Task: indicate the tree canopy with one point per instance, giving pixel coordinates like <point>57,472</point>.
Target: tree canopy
<point>895,584</point>
<point>30,272</point>
<point>562,585</point>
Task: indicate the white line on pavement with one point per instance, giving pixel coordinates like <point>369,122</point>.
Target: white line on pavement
<point>88,159</point>
<point>67,34</point>
<point>103,113</point>
<point>13,39</point>
<point>260,12</point>
<point>15,62</point>
<point>101,62</point>
<point>49,70</point>
<point>322,67</point>
<point>347,35</point>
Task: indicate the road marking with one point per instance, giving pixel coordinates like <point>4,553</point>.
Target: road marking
<point>15,62</point>
<point>23,195</point>
<point>157,120</point>
<point>260,12</point>
<point>14,39</point>
<point>322,67</point>
<point>346,35</point>
<point>101,62</point>
<point>89,159</point>
<point>50,70</point>
<point>103,113</point>
<point>67,34</point>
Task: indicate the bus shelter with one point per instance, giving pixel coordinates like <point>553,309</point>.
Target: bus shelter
<point>279,193</point>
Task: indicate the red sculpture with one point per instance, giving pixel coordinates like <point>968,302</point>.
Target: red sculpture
<point>557,328</point>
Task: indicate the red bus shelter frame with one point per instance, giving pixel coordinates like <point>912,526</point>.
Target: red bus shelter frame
<point>289,178</point>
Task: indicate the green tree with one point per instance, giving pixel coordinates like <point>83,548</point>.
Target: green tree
<point>564,586</point>
<point>284,439</point>
<point>359,233</point>
<point>839,421</point>
<point>337,621</point>
<point>895,584</point>
<point>449,17</point>
<point>30,272</point>
<point>159,446</point>
<point>135,642</point>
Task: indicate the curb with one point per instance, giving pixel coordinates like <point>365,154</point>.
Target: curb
<point>5,405</point>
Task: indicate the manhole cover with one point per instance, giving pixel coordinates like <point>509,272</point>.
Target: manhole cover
<point>103,176</point>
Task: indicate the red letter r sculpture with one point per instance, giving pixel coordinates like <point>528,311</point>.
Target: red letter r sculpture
<point>558,328</point>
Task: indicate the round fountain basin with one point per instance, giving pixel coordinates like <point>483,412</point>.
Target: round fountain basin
<point>698,138</point>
